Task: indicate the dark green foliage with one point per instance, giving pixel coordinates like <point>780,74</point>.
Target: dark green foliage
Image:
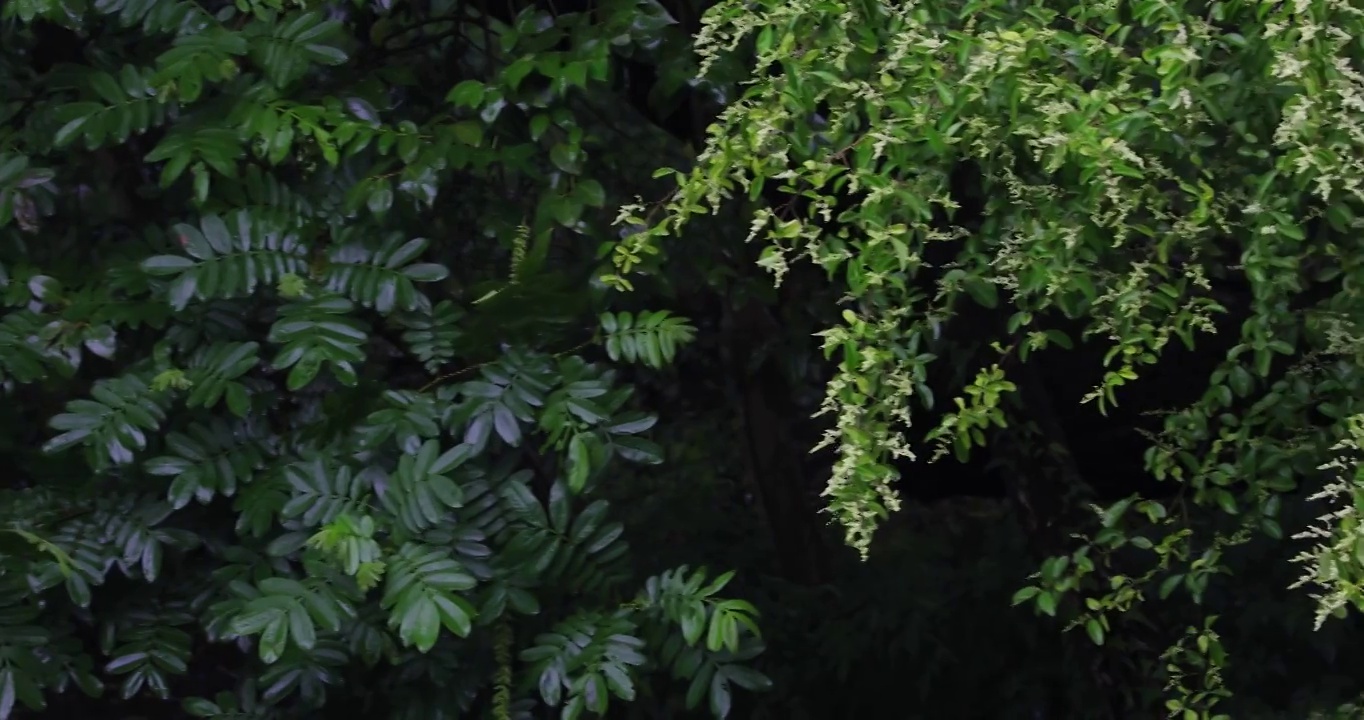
<point>357,360</point>
<point>298,291</point>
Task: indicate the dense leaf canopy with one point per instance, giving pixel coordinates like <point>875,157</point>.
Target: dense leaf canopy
<point>325,439</point>
<point>358,356</point>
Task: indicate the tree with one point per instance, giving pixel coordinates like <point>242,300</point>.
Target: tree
<point>310,400</point>
<point>347,368</point>
<point>998,185</point>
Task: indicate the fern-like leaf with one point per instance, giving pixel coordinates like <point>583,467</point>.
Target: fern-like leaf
<point>651,338</point>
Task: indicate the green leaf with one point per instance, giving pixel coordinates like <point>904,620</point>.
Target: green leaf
<point>301,627</point>
<point>361,108</point>
<point>1095,630</point>
<point>1046,603</point>
<point>633,427</point>
<point>1168,585</point>
<point>426,272</point>
<point>419,624</point>
<point>199,707</point>
<point>420,594</point>
<point>380,196</point>
<point>579,463</point>
<point>468,93</point>
<point>721,702</point>
<point>566,158</point>
<point>638,450</point>
<point>589,521</point>
<point>558,507</point>
<point>506,425</point>
<point>590,192</point>
<point>167,264</point>
<point>694,623</point>
<point>469,132</point>
<point>983,292</point>
<point>746,678</point>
